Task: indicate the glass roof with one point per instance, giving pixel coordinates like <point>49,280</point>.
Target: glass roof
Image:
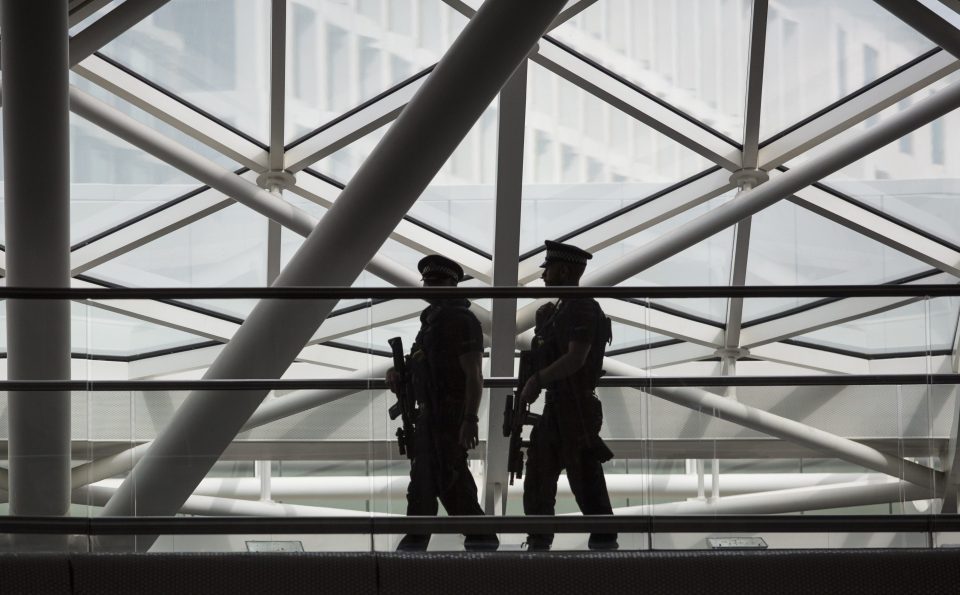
<point>584,160</point>
<point>663,48</point>
<point>819,51</point>
<point>199,73</point>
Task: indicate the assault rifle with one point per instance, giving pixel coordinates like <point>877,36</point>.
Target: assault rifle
<point>406,406</point>
<point>516,414</point>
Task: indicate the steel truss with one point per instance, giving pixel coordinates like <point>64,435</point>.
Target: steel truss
<point>766,341</point>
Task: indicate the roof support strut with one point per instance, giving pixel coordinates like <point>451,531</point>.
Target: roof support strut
<point>402,165</point>
<point>37,164</point>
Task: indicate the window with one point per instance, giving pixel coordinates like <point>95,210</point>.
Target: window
<point>841,61</point>
<point>214,52</point>
<point>870,72</point>
<point>338,68</point>
<point>906,141</point>
<point>304,54</point>
<point>371,70</point>
<point>937,142</point>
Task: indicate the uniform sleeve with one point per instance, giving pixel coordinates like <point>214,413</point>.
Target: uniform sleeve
<point>464,334</point>
<point>583,321</point>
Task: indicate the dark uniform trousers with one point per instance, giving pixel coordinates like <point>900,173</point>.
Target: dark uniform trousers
<point>439,471</point>
<point>562,440</point>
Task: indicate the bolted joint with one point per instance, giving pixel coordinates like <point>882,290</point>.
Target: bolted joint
<point>276,180</point>
<point>734,353</point>
<point>748,177</point>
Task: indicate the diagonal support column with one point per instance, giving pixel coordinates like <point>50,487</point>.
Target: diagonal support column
<point>468,77</point>
<point>925,22</point>
<point>215,176</point>
<point>506,251</point>
<point>109,27</point>
<point>832,445</point>
<point>765,195</point>
<point>37,208</point>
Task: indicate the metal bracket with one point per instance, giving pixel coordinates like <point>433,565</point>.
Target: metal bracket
<point>732,353</point>
<point>751,177</point>
<point>277,179</point>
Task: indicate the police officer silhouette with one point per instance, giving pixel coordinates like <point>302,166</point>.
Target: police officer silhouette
<point>569,342</point>
<point>446,363</point>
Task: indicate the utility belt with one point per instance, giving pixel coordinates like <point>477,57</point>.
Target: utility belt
<point>579,417</point>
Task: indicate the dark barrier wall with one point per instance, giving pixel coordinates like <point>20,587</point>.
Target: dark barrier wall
<point>774,571</point>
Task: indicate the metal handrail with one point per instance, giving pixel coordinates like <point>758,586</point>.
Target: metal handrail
<point>492,382</point>
<point>478,524</point>
<point>636,292</point>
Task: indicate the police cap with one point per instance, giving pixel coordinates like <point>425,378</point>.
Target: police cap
<point>559,252</point>
<point>435,265</point>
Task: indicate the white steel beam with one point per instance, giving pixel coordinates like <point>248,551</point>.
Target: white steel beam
<point>144,231</point>
<point>668,355</point>
<point>350,128</point>
<point>384,110</point>
<point>664,323</point>
<point>643,217</point>
<point>881,229</point>
<point>829,314</point>
<point>411,235</point>
<point>269,411</point>
<point>858,493</point>
<point>857,109</point>
<point>278,90</point>
<point>637,105</point>
<point>99,495</point>
<point>786,429</point>
<point>173,112</point>
<point>208,172</point>
<point>109,27</point>
<point>751,118</point>
<point>629,485</point>
<point>816,360</point>
<point>467,78</point>
<point>771,192</point>
<point>510,148</point>
<point>926,22</point>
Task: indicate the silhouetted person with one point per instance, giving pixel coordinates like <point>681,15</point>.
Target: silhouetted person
<point>568,346</point>
<point>445,362</point>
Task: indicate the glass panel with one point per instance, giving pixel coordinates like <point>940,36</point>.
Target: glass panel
<point>903,330</point>
<point>912,179</point>
<point>820,51</point>
<point>225,249</point>
<point>691,53</point>
<point>98,332</point>
<point>460,198</point>
<point>790,245</point>
<point>584,159</point>
<point>212,53</point>
<point>706,263</point>
<point>339,56</point>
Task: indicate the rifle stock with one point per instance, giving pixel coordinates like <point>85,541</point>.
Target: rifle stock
<point>406,406</point>
<point>517,414</point>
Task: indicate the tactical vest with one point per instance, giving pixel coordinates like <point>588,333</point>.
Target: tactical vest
<point>553,335</point>
<point>441,364</point>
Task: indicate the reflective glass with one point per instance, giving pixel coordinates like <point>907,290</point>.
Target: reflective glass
<point>225,249</point>
<point>705,263</point>
<point>460,198</point>
<point>819,51</point>
<point>917,327</point>
<point>212,53</point>
<point>790,245</point>
<point>584,159</point>
<point>340,55</point>
<point>912,179</point>
<point>690,53</point>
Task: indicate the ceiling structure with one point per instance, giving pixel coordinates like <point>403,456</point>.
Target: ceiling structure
<point>630,119</point>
